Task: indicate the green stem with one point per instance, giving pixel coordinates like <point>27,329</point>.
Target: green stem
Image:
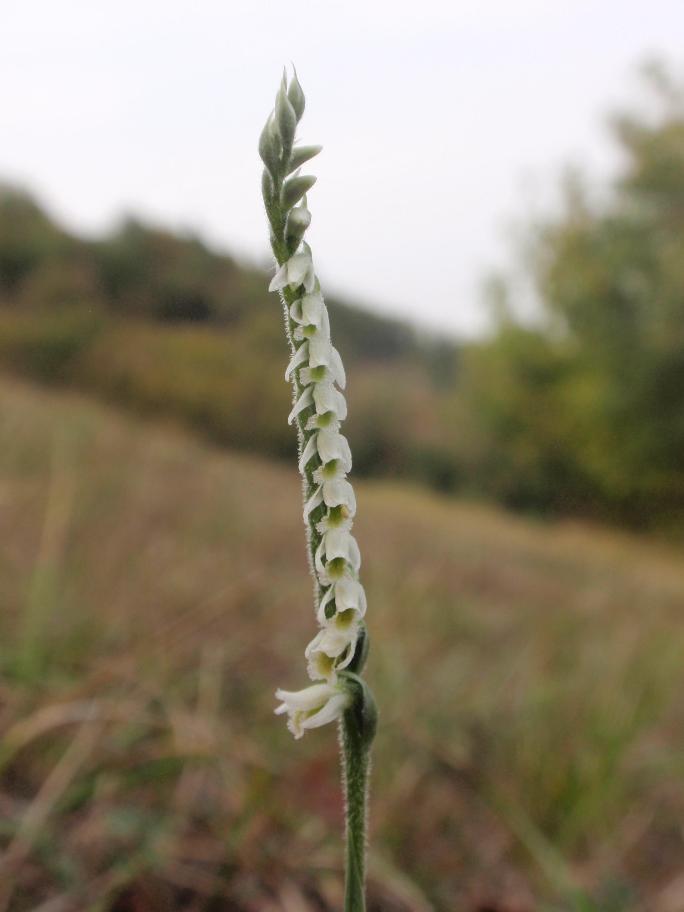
<point>356,768</point>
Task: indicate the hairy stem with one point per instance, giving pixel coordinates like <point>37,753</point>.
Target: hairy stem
<point>356,768</point>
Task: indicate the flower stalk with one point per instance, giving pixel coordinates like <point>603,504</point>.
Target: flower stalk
<point>336,655</point>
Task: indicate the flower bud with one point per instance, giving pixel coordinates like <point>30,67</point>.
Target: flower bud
<point>296,96</point>
<point>301,154</point>
<point>298,221</point>
<point>295,188</point>
<point>269,146</point>
<point>286,120</point>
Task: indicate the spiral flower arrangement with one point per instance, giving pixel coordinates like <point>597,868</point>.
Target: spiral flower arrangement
<point>337,653</point>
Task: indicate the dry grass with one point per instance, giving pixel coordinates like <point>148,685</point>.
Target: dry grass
<point>154,593</point>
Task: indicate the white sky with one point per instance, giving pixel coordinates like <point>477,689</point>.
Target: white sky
<point>441,121</point>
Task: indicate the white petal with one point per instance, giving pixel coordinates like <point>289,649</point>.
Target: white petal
<point>308,452</point>
<point>337,543</point>
<point>327,596</point>
<point>298,358</point>
<point>311,504</point>
<point>337,368</point>
<point>298,268</point>
<point>320,351</point>
<point>307,699</point>
<point>333,445</point>
<point>332,710</point>
<point>354,554</point>
<point>279,280</point>
<point>350,596</point>
<point>318,558</point>
<point>339,491</point>
<point>312,309</point>
<point>329,399</point>
<point>303,402</point>
<point>310,280</point>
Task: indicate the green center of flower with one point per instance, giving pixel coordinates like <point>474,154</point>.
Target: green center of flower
<point>337,515</point>
<point>346,619</point>
<point>335,568</point>
<point>317,373</point>
<point>329,470</point>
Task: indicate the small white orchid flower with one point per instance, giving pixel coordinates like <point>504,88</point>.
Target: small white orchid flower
<point>296,271</point>
<point>332,649</point>
<point>347,594</point>
<point>313,706</point>
<point>311,330</point>
<point>333,445</point>
<point>339,549</point>
<point>323,354</point>
<point>328,399</point>
<point>310,310</point>
<point>334,493</point>
<point>326,420</point>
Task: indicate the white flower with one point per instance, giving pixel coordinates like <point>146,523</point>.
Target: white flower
<point>296,271</point>
<point>313,706</point>
<point>326,420</point>
<point>348,595</point>
<point>332,648</point>
<point>340,549</point>
<point>328,399</point>
<point>310,330</point>
<point>309,310</point>
<point>333,445</point>
<point>323,354</point>
<point>339,491</point>
<point>334,493</point>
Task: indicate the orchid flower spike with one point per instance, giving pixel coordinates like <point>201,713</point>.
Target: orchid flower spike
<point>336,654</point>
<point>318,409</point>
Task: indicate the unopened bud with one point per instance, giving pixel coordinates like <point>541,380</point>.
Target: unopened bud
<point>298,221</point>
<point>296,96</point>
<point>286,120</point>
<point>301,154</point>
<point>294,189</point>
<point>269,146</point>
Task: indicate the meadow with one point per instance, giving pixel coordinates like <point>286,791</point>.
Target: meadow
<point>154,593</point>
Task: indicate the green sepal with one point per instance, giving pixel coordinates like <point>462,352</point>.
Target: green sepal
<point>295,188</point>
<point>301,154</point>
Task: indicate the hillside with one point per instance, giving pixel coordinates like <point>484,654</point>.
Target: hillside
<point>154,594</point>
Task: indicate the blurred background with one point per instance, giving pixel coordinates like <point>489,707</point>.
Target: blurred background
<point>499,223</point>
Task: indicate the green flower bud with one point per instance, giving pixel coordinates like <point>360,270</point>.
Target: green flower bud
<point>270,146</point>
<point>301,154</point>
<point>296,96</point>
<point>298,221</point>
<point>286,120</point>
<point>294,189</point>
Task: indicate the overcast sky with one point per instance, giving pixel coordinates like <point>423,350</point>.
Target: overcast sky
<point>442,122</point>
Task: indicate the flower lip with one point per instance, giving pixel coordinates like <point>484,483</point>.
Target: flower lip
<point>313,706</point>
